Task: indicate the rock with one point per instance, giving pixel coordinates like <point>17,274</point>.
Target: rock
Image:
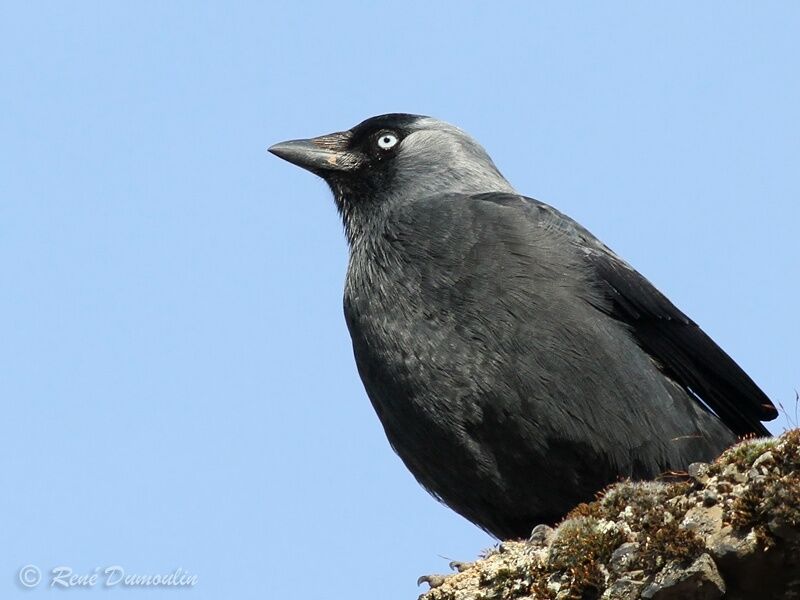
<point>732,532</point>
<point>700,581</point>
<point>755,476</point>
<point>765,459</point>
<point>698,471</point>
<point>732,473</point>
<point>541,535</point>
<point>623,589</point>
<point>723,487</point>
<point>622,557</point>
<point>729,546</point>
<point>702,519</point>
<point>709,498</point>
<point>783,530</point>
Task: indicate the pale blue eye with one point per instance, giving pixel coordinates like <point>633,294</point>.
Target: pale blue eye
<point>387,141</point>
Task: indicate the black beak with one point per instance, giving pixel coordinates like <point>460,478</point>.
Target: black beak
<point>325,153</point>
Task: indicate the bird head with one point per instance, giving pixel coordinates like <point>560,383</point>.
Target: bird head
<point>393,157</point>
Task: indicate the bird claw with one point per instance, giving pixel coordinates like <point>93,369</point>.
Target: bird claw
<point>433,581</point>
<point>460,566</point>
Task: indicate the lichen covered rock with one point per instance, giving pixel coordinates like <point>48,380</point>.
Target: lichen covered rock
<point>730,530</point>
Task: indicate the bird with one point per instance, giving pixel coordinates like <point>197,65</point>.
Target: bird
<point>518,365</point>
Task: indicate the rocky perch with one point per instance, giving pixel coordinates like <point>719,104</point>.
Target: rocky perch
<point>730,530</point>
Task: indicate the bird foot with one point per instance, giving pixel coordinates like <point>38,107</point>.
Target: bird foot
<point>460,566</point>
<point>433,581</point>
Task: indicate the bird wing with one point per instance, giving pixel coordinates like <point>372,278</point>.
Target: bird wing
<point>681,349</point>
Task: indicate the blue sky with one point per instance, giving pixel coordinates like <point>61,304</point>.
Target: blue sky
<point>176,378</point>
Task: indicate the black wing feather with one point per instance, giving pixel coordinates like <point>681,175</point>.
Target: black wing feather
<point>682,350</point>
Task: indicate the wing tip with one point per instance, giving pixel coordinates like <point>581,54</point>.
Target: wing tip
<point>769,412</point>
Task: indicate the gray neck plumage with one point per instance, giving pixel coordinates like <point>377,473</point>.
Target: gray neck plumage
<point>421,170</point>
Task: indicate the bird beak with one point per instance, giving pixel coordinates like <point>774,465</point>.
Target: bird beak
<point>324,153</point>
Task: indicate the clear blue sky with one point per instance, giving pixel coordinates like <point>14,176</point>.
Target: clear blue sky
<point>176,377</point>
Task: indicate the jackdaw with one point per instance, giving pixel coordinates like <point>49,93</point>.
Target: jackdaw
<point>517,364</point>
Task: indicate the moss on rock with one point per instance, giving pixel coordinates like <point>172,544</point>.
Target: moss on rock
<point>726,526</point>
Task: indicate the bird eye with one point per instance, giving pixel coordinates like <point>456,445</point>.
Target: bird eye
<point>387,141</point>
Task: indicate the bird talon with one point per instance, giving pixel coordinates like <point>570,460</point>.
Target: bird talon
<point>433,581</point>
<point>459,566</point>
